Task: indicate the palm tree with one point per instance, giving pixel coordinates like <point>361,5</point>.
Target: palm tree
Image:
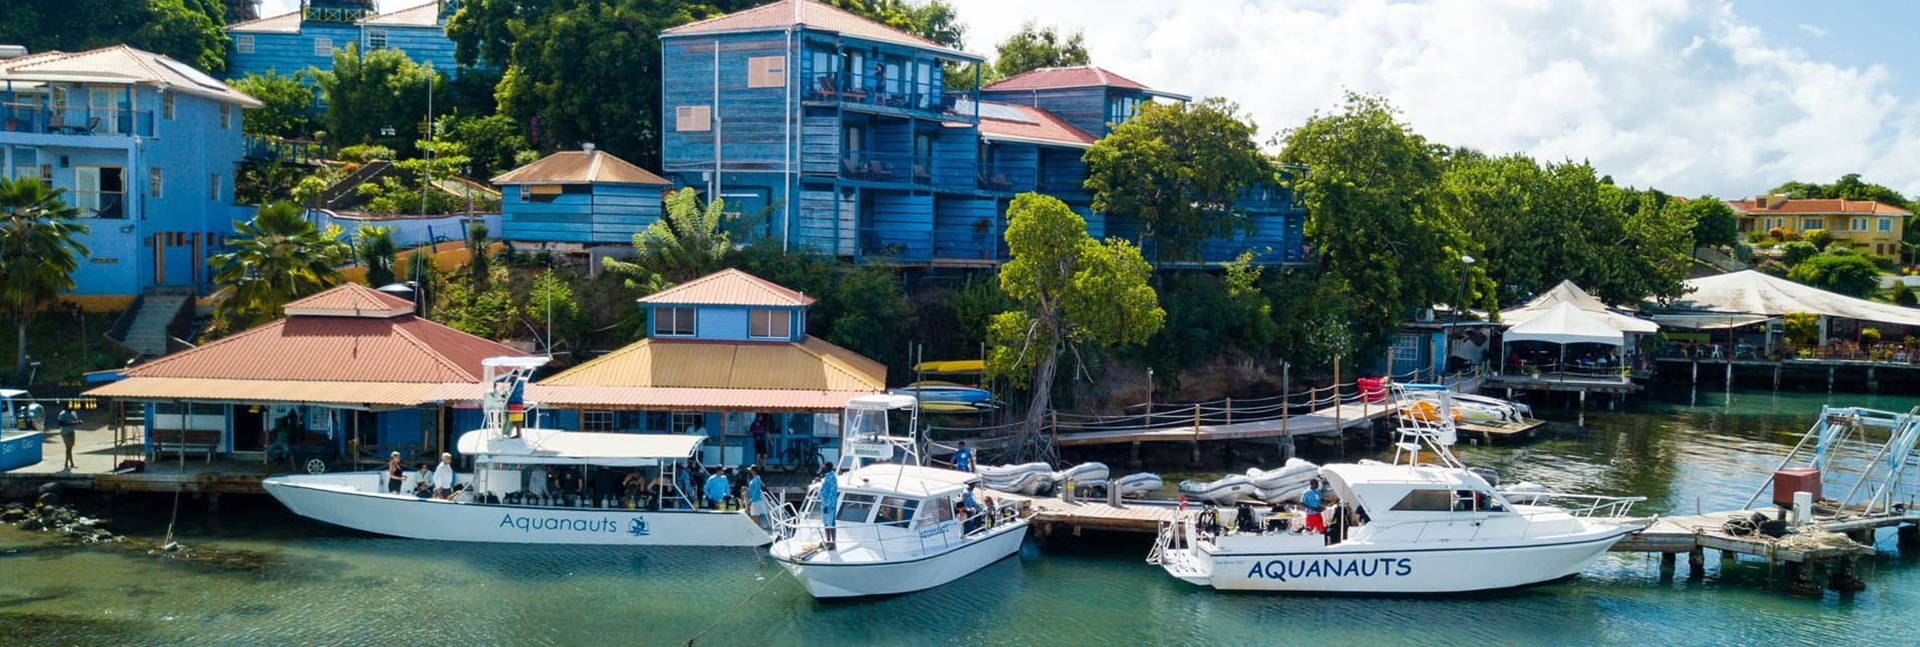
<point>376,249</point>
<point>39,250</point>
<point>276,257</point>
<point>685,244</point>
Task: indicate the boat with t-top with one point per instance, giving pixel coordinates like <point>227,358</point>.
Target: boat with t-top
<point>887,524</point>
<point>607,488</point>
<point>1403,527</point>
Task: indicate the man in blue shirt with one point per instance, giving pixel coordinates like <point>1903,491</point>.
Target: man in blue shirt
<point>963,458</point>
<point>684,483</point>
<point>756,504</point>
<point>1314,503</point>
<point>717,489</point>
<point>972,508</point>
<point>829,502</point>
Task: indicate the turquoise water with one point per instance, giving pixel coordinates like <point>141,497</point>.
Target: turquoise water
<point>312,584</point>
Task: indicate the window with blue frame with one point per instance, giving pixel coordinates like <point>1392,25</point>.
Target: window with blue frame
<point>673,322</point>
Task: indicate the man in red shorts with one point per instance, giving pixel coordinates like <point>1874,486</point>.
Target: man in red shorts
<point>1314,501</point>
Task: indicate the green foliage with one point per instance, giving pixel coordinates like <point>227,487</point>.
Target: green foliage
<point>375,247</point>
<point>369,92</point>
<point>263,181</point>
<point>479,263</point>
<point>1035,47</point>
<point>1313,315</point>
<point>478,307</point>
<point>1772,267</point>
<point>1869,335</point>
<point>686,243</point>
<point>1178,169</point>
<point>39,250</point>
<point>1369,193</point>
<point>188,31</point>
<point>1903,295</point>
<point>363,153</point>
<point>1207,313</point>
<point>1803,328</point>
<point>1820,238</point>
<point>551,305</point>
<point>935,20</point>
<point>1795,252</point>
<point>273,259</point>
<point>1714,223</point>
<point>288,112</point>
<point>863,308</point>
<point>1845,273</point>
<point>492,143</point>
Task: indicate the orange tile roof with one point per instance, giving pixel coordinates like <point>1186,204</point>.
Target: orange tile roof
<point>1079,76</point>
<point>350,300</point>
<point>814,15</point>
<point>812,365</point>
<point>730,287</point>
<point>1820,206</point>
<point>579,167</point>
<point>1039,126</point>
<point>405,348</point>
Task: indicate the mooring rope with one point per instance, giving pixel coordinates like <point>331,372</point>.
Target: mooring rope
<point>736,607</point>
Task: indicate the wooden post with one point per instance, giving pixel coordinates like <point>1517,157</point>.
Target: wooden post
<point>1286,401</point>
<point>1696,563</point>
<point>1229,411</point>
<point>1339,432</point>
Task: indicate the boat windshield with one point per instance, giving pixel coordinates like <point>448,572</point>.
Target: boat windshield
<point>865,424</point>
<point>896,511</point>
<point>854,508</point>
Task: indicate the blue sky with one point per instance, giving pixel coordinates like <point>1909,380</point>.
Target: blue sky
<point>1729,97</point>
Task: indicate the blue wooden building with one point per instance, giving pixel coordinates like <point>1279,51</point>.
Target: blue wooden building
<point>587,197</point>
<point>849,135</point>
<point>143,145</point>
<point>307,37</point>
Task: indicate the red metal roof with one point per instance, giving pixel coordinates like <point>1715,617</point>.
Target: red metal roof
<point>814,15</point>
<point>730,287</point>
<point>1819,206</point>
<point>405,348</point>
<point>1040,126</point>
<point>1082,76</point>
<point>350,300</point>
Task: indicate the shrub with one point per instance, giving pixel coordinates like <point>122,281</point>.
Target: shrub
<point>1903,295</point>
<point>1849,274</point>
<point>1795,252</point>
<point>1870,335</point>
<point>1772,267</point>
<point>1820,238</point>
<point>1803,328</point>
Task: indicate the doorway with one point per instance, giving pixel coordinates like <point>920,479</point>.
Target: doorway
<point>249,428</point>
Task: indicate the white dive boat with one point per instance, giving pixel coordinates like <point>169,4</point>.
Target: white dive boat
<point>506,499</point>
<point>1397,528</point>
<point>895,528</point>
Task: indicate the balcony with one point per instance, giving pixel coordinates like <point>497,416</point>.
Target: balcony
<point>109,205</point>
<point>886,167</point>
<point>996,176</point>
<point>879,91</point>
<point>75,120</point>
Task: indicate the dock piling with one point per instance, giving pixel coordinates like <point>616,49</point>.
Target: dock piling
<point>1696,563</point>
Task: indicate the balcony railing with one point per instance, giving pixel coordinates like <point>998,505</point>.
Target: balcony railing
<point>74,120</point>
<point>99,204</point>
<point>886,167</point>
<point>292,151</point>
<point>991,176</point>
<point>879,90</point>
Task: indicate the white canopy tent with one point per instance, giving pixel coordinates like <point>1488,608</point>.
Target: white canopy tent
<point>1751,292</point>
<point>1567,324</point>
<point>1568,293</point>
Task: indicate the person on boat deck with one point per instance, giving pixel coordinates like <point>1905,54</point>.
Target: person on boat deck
<point>567,481</point>
<point>684,483</point>
<point>1315,503</point>
<point>632,484</point>
<point>756,498</point>
<point>443,477</point>
<point>396,473</point>
<point>829,502</point>
<point>717,490</point>
<point>761,440</point>
<point>537,483</point>
<point>423,481</point>
<point>963,458</point>
<point>973,519</point>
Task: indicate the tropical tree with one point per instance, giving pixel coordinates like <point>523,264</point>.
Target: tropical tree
<point>39,250</point>
<point>288,104</point>
<point>275,258</point>
<point>492,143</point>
<point>1714,223</point>
<point>1178,169</point>
<point>376,249</point>
<point>1035,47</point>
<point>368,93</point>
<point>1074,293</point>
<point>687,243</point>
<point>188,31</point>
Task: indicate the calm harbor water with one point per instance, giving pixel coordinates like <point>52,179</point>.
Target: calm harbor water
<point>315,584</point>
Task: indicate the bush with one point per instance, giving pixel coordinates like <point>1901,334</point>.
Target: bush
<point>1756,237</point>
<point>1772,267</point>
<point>1903,295</point>
<point>1849,274</point>
<point>1803,328</point>
<point>1869,335</point>
<point>1743,252</point>
<point>1793,253</point>
<point>1820,238</point>
<point>364,153</point>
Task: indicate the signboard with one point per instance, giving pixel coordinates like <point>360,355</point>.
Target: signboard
<point>878,451</point>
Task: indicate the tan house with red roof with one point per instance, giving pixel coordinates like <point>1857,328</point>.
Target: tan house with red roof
<point>349,363</point>
<point>1869,226</point>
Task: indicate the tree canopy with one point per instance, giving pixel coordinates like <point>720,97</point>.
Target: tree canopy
<point>685,244</point>
<point>368,93</point>
<point>1178,169</point>
<point>188,31</point>
<point>39,250</point>
<point>1842,271</point>
<point>273,259</point>
<point>1035,47</point>
<point>289,104</point>
<point>1714,223</point>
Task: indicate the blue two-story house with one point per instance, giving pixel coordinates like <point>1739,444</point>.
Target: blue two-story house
<point>143,145</point>
<point>296,40</point>
<point>848,133</point>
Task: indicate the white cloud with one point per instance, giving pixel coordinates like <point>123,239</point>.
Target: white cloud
<point>1682,95</point>
<point>1815,30</point>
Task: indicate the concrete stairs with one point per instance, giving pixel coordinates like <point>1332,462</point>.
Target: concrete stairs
<point>148,333</point>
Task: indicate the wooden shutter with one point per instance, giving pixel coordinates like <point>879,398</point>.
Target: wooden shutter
<point>692,118</point>
<point>767,72</point>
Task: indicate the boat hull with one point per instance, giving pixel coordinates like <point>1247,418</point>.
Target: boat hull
<point>1386,571</point>
<point>323,498</point>
<point>825,578</point>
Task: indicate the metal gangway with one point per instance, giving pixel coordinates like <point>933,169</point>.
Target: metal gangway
<point>1868,452</point>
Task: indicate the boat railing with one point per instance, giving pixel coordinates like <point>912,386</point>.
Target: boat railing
<point>1584,506</point>
<point>888,538</point>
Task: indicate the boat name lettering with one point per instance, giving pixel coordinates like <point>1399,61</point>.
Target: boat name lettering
<point>530,523</point>
<point>1285,569</point>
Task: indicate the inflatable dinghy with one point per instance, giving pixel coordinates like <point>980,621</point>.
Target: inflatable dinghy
<point>1527,493</point>
<point>1136,484</point>
<point>1295,472</point>
<point>1223,490</point>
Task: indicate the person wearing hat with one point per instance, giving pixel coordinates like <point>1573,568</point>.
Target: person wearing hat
<point>68,420</point>
<point>443,477</point>
<point>396,473</point>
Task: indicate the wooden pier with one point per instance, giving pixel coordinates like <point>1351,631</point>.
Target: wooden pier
<point>1326,421</point>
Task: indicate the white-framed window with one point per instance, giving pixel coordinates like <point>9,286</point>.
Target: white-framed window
<point>769,324</point>
<point>226,115</point>
<point>166,105</point>
<point>596,421</point>
<point>1858,224</point>
<point>1886,224</point>
<point>376,39</point>
<point>26,162</point>
<point>673,322</point>
<point>1810,224</point>
<point>243,44</point>
<point>153,182</point>
<point>692,118</point>
<point>322,46</point>
<point>213,187</point>
<point>1406,350</point>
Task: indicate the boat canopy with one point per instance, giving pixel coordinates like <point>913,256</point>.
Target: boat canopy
<point>882,402</point>
<point>1379,487</point>
<point>909,480</point>
<point>1567,324</point>
<point>550,446</point>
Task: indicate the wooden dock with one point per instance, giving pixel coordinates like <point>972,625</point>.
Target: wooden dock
<point>1563,383</point>
<point>1051,514</point>
<point>1490,430</point>
<point>1329,420</point>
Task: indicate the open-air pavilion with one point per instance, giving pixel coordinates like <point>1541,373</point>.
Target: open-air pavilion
<point>1741,315</point>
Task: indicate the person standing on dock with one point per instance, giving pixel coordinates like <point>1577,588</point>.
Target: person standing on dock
<point>443,477</point>
<point>761,440</point>
<point>756,498</point>
<point>829,502</point>
<point>68,420</point>
<point>1313,500</point>
<point>963,458</point>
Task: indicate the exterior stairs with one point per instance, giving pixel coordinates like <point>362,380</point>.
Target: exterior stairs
<point>149,321</point>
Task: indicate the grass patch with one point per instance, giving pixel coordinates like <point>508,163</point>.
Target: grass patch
<point>66,346</point>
